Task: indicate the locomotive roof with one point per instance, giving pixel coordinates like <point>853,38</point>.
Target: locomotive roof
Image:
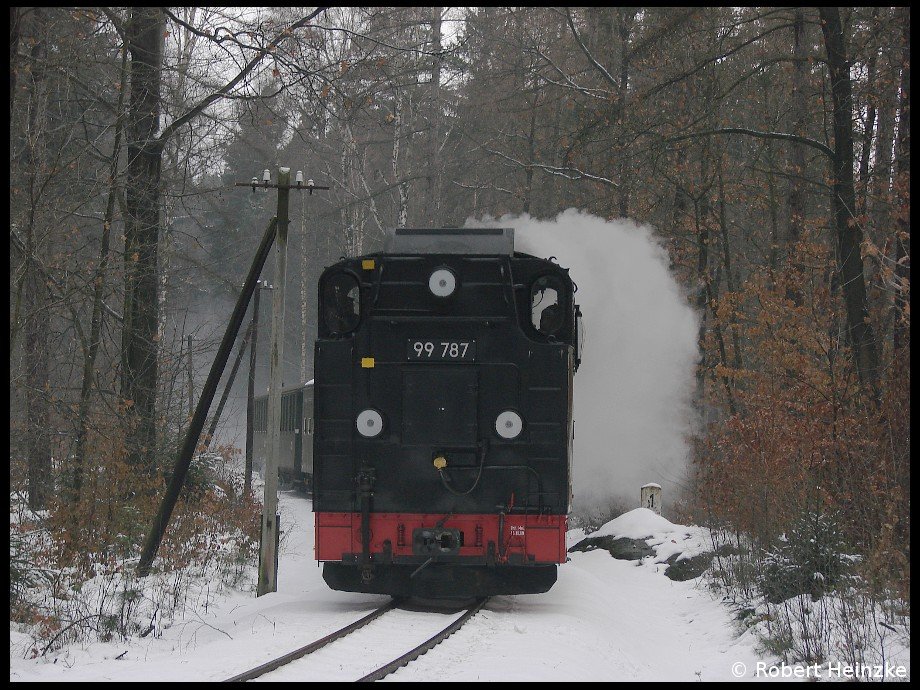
<point>488,241</point>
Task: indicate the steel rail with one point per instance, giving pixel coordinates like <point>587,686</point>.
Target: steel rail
<point>312,647</point>
<point>429,644</point>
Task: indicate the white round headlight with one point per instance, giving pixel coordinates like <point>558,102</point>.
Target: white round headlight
<point>509,424</point>
<point>442,282</point>
<point>369,423</point>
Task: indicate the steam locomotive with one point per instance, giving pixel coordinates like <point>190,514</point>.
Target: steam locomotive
<point>442,422</point>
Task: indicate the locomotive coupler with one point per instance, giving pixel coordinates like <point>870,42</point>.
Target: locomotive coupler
<point>435,541</point>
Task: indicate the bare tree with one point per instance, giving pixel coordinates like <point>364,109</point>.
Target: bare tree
<point>847,224</point>
<point>145,146</point>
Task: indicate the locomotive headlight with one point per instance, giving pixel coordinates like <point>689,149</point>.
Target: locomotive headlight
<point>369,423</point>
<point>442,282</point>
<point>509,424</point>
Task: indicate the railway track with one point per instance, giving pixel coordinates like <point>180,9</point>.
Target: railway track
<point>380,671</point>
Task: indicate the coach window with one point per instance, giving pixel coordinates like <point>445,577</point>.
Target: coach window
<point>546,310</point>
<point>342,302</point>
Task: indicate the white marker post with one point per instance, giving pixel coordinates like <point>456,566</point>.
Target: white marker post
<point>650,497</point>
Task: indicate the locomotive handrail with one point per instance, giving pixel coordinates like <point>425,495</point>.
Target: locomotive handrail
<point>415,318</point>
<point>536,474</point>
<point>378,279</point>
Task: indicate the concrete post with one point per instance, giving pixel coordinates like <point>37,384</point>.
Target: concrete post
<point>268,575</point>
<point>650,497</point>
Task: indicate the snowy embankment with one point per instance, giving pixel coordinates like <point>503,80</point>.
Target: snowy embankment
<point>605,619</point>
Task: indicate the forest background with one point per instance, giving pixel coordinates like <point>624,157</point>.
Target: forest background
<point>769,147</point>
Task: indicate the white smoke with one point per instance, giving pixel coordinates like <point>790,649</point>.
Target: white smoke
<point>633,390</point>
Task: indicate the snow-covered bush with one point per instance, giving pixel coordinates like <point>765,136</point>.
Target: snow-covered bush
<point>845,626</point>
<point>73,569</point>
<point>204,472</point>
<point>807,598</point>
<point>810,559</point>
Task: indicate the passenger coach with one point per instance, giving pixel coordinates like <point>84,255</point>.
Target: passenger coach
<point>295,462</point>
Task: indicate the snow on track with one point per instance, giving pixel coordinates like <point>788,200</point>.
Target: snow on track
<point>365,650</point>
<point>605,619</point>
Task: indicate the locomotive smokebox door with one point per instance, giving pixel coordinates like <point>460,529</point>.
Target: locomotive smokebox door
<point>440,406</point>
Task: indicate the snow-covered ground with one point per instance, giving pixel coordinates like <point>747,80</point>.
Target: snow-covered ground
<point>605,619</point>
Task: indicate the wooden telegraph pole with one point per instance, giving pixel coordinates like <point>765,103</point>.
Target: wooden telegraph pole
<point>251,386</point>
<point>268,570</point>
<point>184,459</point>
<point>215,420</point>
<point>191,380</point>
<point>268,554</point>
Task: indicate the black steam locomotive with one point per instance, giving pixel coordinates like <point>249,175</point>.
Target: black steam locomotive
<point>443,417</point>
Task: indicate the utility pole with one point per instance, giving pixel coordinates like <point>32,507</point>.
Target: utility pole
<point>268,553</point>
<point>223,398</point>
<point>268,575</point>
<point>184,459</point>
<point>251,388</point>
<point>191,382</point>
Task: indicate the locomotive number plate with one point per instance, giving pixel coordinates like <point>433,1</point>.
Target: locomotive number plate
<point>441,350</point>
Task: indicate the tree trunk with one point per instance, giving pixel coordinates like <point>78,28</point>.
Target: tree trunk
<point>531,154</point>
<point>626,18</point>
<point>880,200</point>
<point>37,293</point>
<point>144,36</point>
<point>846,223</point>
<point>727,264</point>
<point>703,296</point>
<point>799,113</point>
<point>902,191</point>
<point>402,215</point>
<point>14,52</point>
<point>871,108</point>
<point>433,204</point>
<point>89,357</point>
<point>38,433</point>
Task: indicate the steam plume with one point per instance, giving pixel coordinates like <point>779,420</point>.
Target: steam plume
<point>632,392</point>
